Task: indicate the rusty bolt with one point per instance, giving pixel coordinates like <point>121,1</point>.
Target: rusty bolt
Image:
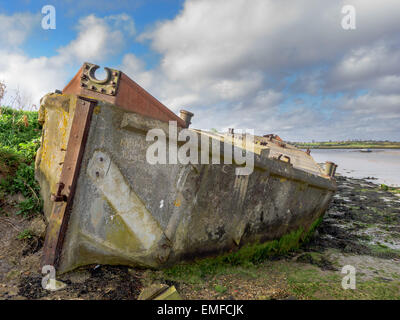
<point>58,197</point>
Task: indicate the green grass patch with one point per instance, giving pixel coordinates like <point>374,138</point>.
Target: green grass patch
<point>385,187</point>
<point>310,283</point>
<point>220,289</point>
<point>382,251</point>
<point>25,235</point>
<point>19,140</point>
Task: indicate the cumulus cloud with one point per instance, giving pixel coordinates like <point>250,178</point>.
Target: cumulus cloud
<point>16,28</point>
<point>31,78</point>
<point>285,66</point>
<point>365,67</point>
<point>97,39</point>
<point>220,37</point>
<point>217,56</point>
<point>379,106</point>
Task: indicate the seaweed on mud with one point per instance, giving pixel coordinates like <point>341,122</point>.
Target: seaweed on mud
<point>31,287</point>
<point>322,262</point>
<point>104,282</point>
<point>350,213</point>
<point>108,283</point>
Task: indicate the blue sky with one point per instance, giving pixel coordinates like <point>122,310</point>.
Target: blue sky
<point>46,42</point>
<point>285,67</point>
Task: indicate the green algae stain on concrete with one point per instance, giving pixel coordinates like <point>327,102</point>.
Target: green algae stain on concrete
<point>120,235</point>
<point>250,254</point>
<point>109,180</point>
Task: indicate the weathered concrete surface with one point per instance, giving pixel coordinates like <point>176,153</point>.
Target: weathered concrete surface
<point>56,113</point>
<point>127,211</point>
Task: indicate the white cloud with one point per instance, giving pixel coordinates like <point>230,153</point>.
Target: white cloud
<point>217,56</point>
<point>32,78</point>
<point>379,106</point>
<point>283,66</point>
<point>136,69</point>
<point>122,22</point>
<point>366,67</point>
<point>97,40</point>
<point>219,38</point>
<point>16,28</point>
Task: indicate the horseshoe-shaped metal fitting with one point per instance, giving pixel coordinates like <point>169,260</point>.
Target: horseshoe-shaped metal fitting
<point>108,85</point>
<point>92,76</point>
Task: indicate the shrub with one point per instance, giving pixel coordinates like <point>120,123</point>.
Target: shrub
<point>19,141</point>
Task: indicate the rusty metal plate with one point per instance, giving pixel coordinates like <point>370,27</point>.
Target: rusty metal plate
<point>127,95</point>
<point>70,171</point>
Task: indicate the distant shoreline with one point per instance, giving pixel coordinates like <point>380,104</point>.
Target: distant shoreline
<point>349,145</point>
<point>346,147</point>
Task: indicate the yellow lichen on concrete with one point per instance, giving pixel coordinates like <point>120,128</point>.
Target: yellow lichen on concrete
<point>120,235</point>
<point>57,114</point>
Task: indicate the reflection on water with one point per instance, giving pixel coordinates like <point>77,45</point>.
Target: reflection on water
<point>383,164</point>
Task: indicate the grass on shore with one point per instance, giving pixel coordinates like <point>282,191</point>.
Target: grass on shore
<point>384,187</point>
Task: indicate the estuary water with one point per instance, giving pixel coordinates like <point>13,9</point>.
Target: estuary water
<point>382,164</point>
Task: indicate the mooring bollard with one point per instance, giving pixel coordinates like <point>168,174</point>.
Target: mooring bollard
<point>186,116</point>
<point>329,168</point>
<point>334,170</point>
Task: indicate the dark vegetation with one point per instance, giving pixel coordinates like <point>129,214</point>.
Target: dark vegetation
<point>19,141</point>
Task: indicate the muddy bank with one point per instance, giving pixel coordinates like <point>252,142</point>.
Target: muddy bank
<point>361,228</point>
<point>362,219</point>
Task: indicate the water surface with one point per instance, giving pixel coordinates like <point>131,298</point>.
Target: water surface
<point>383,164</point>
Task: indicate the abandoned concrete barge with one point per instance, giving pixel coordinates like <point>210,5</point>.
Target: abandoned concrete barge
<point>106,204</point>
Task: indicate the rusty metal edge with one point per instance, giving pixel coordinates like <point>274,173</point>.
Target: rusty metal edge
<point>59,218</point>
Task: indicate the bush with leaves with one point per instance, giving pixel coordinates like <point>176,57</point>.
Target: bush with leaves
<point>19,141</point>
